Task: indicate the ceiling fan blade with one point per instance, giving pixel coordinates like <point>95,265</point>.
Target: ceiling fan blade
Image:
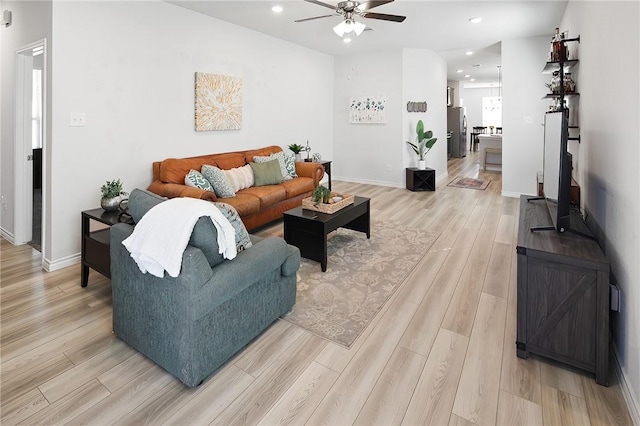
<point>319,3</point>
<point>383,16</point>
<point>373,3</point>
<point>315,17</point>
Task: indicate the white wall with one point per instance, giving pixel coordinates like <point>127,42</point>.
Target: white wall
<point>523,113</point>
<point>31,22</point>
<point>366,152</point>
<point>424,78</point>
<point>609,54</point>
<point>130,67</point>
<point>378,153</point>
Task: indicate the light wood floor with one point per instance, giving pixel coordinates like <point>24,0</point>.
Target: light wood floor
<point>440,352</point>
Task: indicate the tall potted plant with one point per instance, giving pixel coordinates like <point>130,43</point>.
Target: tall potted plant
<point>424,145</point>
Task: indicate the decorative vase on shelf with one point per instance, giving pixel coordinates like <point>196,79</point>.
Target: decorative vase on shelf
<point>110,204</point>
<point>422,164</point>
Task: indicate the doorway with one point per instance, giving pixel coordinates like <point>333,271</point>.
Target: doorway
<point>30,144</point>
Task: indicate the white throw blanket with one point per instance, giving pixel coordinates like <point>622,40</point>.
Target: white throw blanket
<point>160,237</point>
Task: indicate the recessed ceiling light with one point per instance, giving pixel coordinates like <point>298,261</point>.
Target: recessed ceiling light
<point>467,76</point>
<point>459,70</point>
<point>346,40</point>
<point>475,20</point>
<point>472,79</point>
<point>276,9</point>
<point>468,53</point>
<point>476,65</point>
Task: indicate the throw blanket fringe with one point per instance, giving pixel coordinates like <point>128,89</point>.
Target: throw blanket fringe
<point>160,237</point>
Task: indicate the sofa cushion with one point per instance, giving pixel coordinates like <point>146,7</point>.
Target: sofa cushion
<point>230,161</point>
<point>281,162</point>
<point>195,179</point>
<point>298,186</point>
<point>218,180</point>
<point>267,173</point>
<point>243,241</point>
<point>240,177</point>
<point>245,204</point>
<point>268,194</point>
<point>173,170</point>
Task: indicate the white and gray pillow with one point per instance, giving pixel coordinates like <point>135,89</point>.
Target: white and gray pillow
<point>243,241</point>
<point>221,185</point>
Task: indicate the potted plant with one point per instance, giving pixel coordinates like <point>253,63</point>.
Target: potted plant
<point>111,195</point>
<point>424,145</point>
<point>296,150</point>
<point>321,194</point>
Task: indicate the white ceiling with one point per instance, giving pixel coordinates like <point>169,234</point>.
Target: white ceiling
<point>442,26</point>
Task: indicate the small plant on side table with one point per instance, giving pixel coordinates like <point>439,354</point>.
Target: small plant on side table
<point>111,192</point>
<point>296,150</point>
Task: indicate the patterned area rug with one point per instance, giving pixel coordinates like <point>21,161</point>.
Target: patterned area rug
<point>361,276</point>
<point>465,182</point>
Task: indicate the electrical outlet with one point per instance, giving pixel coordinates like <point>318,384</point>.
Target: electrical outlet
<point>3,202</point>
<point>77,119</point>
<point>389,168</point>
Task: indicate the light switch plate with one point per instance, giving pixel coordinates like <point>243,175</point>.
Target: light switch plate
<point>77,119</point>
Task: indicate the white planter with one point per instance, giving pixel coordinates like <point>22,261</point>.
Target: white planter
<point>298,157</point>
<point>422,164</point>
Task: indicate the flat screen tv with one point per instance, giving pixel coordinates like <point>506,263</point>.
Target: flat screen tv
<point>556,186</point>
<point>557,167</point>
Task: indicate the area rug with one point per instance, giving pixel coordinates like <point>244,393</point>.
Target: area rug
<point>470,183</point>
<point>361,276</point>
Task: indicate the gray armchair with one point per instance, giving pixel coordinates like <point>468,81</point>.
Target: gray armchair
<point>190,325</point>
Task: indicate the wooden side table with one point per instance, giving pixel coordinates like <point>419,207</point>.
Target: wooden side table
<point>95,244</point>
<point>421,180</point>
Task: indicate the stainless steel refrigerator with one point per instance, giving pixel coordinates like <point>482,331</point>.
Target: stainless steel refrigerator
<point>457,125</point>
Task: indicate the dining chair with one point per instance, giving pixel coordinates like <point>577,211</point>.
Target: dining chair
<point>477,130</point>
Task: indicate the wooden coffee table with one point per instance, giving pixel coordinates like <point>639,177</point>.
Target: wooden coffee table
<point>308,229</point>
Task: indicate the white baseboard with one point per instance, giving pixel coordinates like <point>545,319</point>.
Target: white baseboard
<point>627,392</point>
<point>511,194</point>
<point>7,236</point>
<point>51,266</point>
<point>366,181</point>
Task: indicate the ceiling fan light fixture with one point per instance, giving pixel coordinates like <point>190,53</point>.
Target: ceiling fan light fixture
<point>346,39</point>
<point>347,26</point>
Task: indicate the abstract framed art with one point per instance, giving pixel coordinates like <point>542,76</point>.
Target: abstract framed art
<point>218,102</point>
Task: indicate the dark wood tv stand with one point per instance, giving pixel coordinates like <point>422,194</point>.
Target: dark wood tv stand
<point>563,293</point>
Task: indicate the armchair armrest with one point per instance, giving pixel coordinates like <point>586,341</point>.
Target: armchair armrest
<point>174,190</point>
<point>310,169</point>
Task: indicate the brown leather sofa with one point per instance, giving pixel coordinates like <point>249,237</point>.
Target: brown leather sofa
<point>256,205</point>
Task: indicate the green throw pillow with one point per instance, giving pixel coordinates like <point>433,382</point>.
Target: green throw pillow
<point>195,179</point>
<point>267,173</point>
<point>221,185</point>
<point>280,156</point>
<point>290,163</point>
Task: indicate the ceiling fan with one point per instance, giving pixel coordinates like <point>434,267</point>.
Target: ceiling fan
<point>349,10</point>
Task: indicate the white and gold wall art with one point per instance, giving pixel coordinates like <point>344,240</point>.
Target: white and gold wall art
<point>218,102</point>
<point>368,109</point>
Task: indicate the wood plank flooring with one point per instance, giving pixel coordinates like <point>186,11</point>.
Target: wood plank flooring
<point>441,351</point>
